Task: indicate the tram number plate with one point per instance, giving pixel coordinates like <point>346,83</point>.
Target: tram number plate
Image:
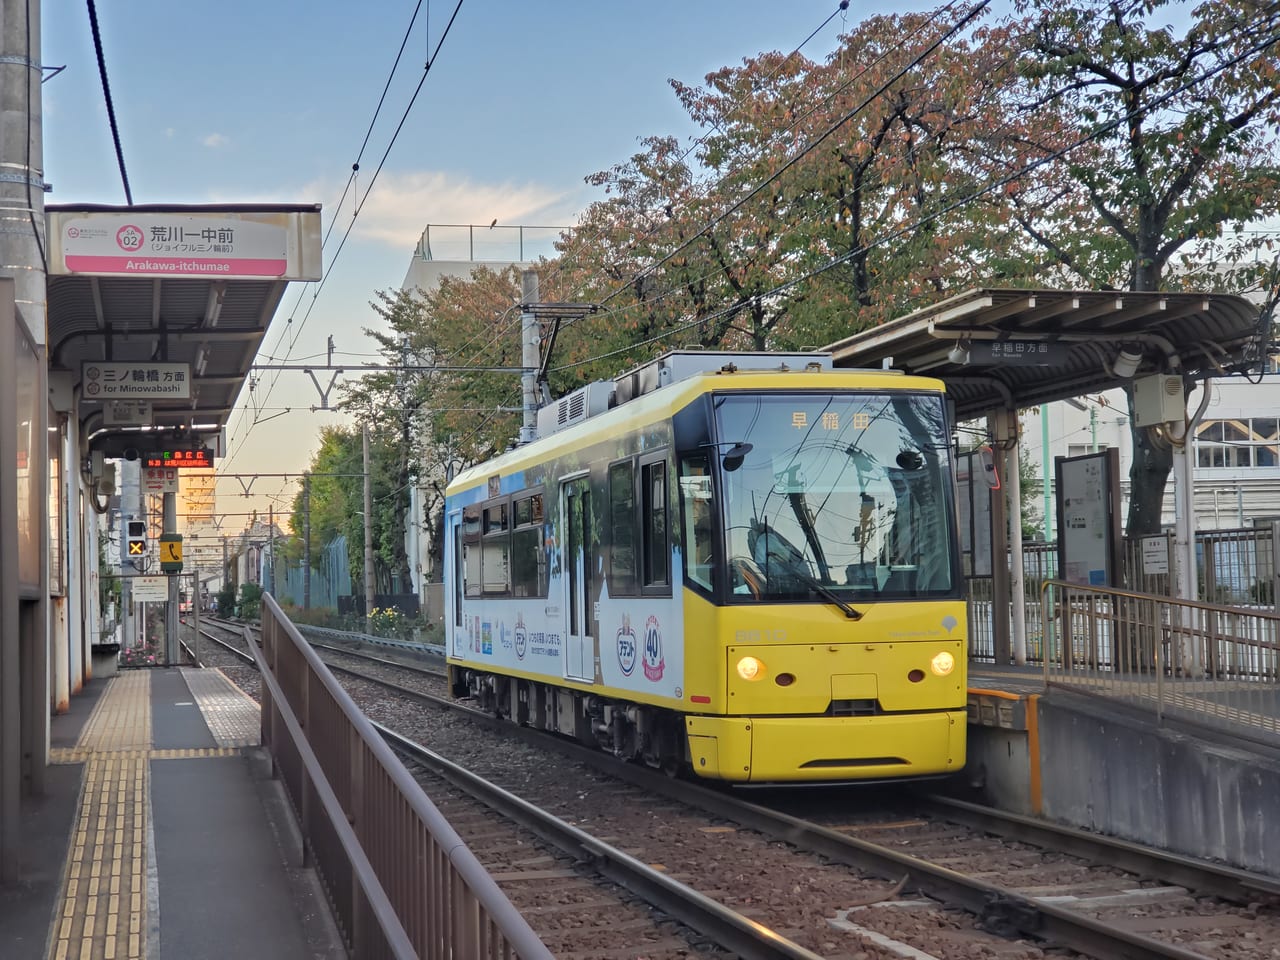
<point>760,636</point>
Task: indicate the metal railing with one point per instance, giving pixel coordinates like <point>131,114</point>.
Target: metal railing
<point>400,880</point>
<point>1236,568</point>
<point>1206,663</point>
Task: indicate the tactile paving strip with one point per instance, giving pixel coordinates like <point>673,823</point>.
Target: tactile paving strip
<point>110,868</point>
<point>104,909</point>
<point>233,717</point>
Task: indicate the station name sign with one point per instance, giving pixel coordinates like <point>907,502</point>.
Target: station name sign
<point>190,459</point>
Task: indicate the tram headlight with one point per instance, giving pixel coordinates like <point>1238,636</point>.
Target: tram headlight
<point>749,668</point>
<point>942,664</point>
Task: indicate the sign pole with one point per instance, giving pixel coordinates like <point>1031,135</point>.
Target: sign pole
<point>171,648</point>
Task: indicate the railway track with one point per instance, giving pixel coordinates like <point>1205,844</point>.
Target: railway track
<point>1014,877</point>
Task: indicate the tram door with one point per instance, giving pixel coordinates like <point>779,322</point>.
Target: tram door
<point>579,648</point>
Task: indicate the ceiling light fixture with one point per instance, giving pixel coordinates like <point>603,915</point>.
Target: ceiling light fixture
<point>959,352</point>
<point>1126,364</point>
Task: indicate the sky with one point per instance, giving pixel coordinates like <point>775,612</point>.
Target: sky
<point>270,101</point>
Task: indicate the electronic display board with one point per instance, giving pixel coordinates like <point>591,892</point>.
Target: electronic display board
<point>188,459</point>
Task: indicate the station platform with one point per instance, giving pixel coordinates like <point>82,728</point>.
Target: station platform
<point>999,696</point>
<point>1084,755</point>
<point>161,835</point>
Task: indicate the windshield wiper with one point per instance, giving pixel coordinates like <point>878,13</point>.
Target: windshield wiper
<point>818,586</point>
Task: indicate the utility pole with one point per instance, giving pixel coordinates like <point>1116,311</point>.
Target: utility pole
<point>306,541</point>
<point>24,643</point>
<point>368,535</point>
<point>529,354</point>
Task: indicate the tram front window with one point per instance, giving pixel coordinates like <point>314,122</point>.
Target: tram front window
<point>846,494</point>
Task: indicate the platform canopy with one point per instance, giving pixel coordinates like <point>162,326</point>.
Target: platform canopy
<point>155,313</point>
<point>1019,348</point>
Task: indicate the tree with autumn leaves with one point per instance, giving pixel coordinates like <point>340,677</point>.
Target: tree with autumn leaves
<point>1087,145</point>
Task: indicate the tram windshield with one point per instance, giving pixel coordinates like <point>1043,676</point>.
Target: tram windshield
<point>845,497</point>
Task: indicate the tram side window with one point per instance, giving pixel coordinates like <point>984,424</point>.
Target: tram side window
<point>496,566</point>
<point>471,550</point>
<point>528,558</point>
<point>622,523</point>
<point>653,485</point>
<point>695,490</point>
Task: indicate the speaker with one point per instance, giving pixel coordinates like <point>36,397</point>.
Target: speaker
<point>131,454</point>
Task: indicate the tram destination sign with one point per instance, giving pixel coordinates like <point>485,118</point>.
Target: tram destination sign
<point>1021,353</point>
<point>195,458</point>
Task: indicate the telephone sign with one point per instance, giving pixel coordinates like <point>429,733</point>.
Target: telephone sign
<point>171,553</point>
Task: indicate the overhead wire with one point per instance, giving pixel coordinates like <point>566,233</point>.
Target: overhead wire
<point>355,167</point>
<point>359,206</point>
<point>842,6</point>
<point>968,198</point>
<point>106,92</point>
<point>561,261</point>
<point>816,216</point>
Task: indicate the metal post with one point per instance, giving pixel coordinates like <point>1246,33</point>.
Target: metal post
<point>271,544</point>
<point>1013,493</point>
<point>306,541</point>
<point>1000,596</point>
<point>172,654</point>
<point>10,657</point>
<point>529,354</point>
<point>1275,564</point>
<point>368,535</point>
<point>195,615</point>
<point>1046,473</point>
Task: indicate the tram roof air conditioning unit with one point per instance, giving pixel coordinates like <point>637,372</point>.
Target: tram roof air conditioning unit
<point>681,364</point>
<point>594,398</point>
<point>1158,399</point>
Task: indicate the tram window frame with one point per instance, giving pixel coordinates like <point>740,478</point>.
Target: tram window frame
<point>472,574</point>
<point>655,526</point>
<point>495,545</point>
<point>623,529</point>
<point>528,552</point>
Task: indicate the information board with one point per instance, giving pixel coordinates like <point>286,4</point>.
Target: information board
<point>1088,500</point>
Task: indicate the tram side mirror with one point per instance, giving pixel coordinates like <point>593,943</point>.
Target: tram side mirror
<point>734,456</point>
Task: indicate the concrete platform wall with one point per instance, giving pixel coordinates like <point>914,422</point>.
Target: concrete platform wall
<point>1107,772</point>
<point>1081,762</point>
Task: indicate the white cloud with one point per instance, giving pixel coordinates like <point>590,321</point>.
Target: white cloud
<point>215,140</point>
<point>402,204</point>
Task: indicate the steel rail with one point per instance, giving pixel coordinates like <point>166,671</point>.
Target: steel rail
<point>707,917</point>
<point>381,661</point>
<point>998,909</point>
<point>1213,879</point>
<point>246,657</point>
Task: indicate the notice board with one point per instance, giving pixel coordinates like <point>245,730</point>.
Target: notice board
<point>1088,507</point>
